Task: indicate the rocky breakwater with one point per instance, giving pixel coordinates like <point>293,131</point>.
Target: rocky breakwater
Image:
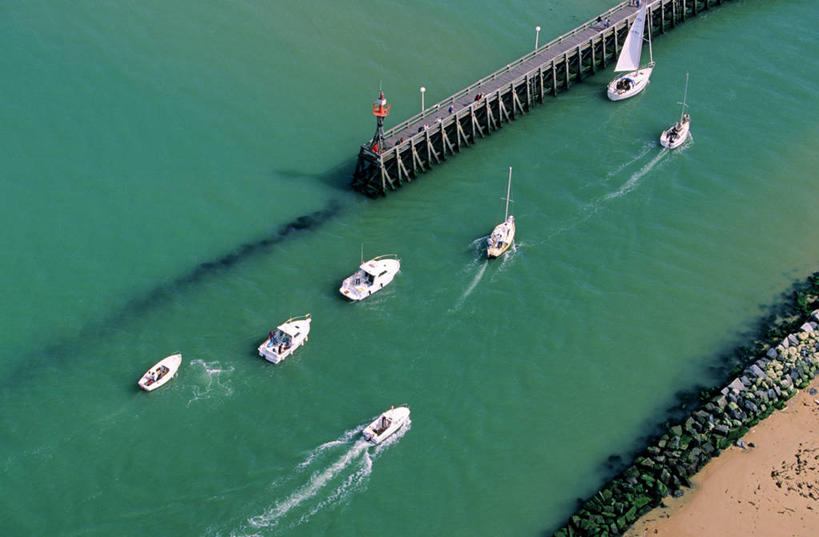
<point>668,463</point>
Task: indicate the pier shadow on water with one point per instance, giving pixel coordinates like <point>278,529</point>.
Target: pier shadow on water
<point>57,351</point>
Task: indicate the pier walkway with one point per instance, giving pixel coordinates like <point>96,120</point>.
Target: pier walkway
<point>428,138</point>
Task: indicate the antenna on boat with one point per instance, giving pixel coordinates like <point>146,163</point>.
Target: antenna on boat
<point>362,253</point>
<point>685,94</point>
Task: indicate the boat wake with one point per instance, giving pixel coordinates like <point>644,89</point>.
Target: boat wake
<point>629,185</point>
<point>472,284</point>
<point>647,147</point>
<point>211,373</point>
<point>328,476</point>
<point>481,263</point>
<point>509,256</point>
<point>591,208</point>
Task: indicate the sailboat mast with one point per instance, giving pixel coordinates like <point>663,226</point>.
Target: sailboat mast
<point>508,191</point>
<point>650,53</point>
<point>685,94</point>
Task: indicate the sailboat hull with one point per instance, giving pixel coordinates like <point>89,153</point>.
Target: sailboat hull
<point>630,84</point>
<point>501,238</point>
<point>675,135</point>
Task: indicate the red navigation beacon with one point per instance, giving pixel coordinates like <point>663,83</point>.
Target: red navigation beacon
<point>381,109</point>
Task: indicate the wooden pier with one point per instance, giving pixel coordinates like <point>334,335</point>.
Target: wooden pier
<point>413,146</point>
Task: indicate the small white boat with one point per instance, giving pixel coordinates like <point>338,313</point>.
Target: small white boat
<point>386,424</point>
<point>503,235</point>
<point>636,80</point>
<point>371,276</point>
<point>676,134</point>
<point>285,339</point>
<point>160,373</point>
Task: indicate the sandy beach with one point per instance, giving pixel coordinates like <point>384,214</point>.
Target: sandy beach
<point>769,489</point>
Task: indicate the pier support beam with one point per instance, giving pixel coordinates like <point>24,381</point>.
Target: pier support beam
<point>427,138</point>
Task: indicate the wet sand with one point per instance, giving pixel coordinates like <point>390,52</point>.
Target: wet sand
<point>769,490</point>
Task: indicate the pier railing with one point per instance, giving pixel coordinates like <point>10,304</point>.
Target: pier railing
<point>502,71</point>
<point>416,144</point>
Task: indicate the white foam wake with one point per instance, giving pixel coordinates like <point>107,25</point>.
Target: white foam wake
<point>629,185</point>
<point>343,439</point>
<point>327,476</point>
<point>212,382</point>
<point>509,256</point>
<point>647,147</point>
<point>472,285</point>
<point>591,208</point>
<point>354,456</point>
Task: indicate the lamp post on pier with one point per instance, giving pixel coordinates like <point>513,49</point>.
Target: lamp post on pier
<point>423,90</point>
<point>537,35</point>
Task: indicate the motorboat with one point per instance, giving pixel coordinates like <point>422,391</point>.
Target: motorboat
<point>371,276</point>
<point>386,424</point>
<point>285,339</point>
<point>636,79</point>
<point>160,373</point>
<point>503,235</point>
<point>676,134</point>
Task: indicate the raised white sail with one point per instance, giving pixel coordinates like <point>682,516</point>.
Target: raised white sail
<point>629,59</point>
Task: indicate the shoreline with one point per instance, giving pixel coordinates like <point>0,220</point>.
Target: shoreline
<point>781,378</point>
<point>771,489</point>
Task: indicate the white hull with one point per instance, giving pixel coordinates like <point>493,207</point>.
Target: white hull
<point>160,373</point>
<point>371,277</point>
<point>379,430</point>
<point>635,80</point>
<point>288,337</point>
<point>676,134</point>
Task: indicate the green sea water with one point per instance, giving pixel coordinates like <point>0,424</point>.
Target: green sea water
<point>154,153</point>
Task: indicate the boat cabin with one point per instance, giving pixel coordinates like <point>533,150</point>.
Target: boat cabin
<point>624,84</point>
<point>370,277</point>
<point>501,234</point>
<point>383,425</point>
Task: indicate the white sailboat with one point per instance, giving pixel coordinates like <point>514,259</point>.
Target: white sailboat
<point>636,80</point>
<point>676,134</point>
<point>504,233</point>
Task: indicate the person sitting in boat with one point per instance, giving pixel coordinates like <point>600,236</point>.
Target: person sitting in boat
<point>370,279</point>
<point>385,423</point>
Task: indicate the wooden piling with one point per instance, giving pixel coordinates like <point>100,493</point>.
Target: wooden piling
<point>430,137</point>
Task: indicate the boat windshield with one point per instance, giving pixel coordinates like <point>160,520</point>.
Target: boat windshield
<point>383,424</point>
<point>278,336</point>
<point>362,277</point>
